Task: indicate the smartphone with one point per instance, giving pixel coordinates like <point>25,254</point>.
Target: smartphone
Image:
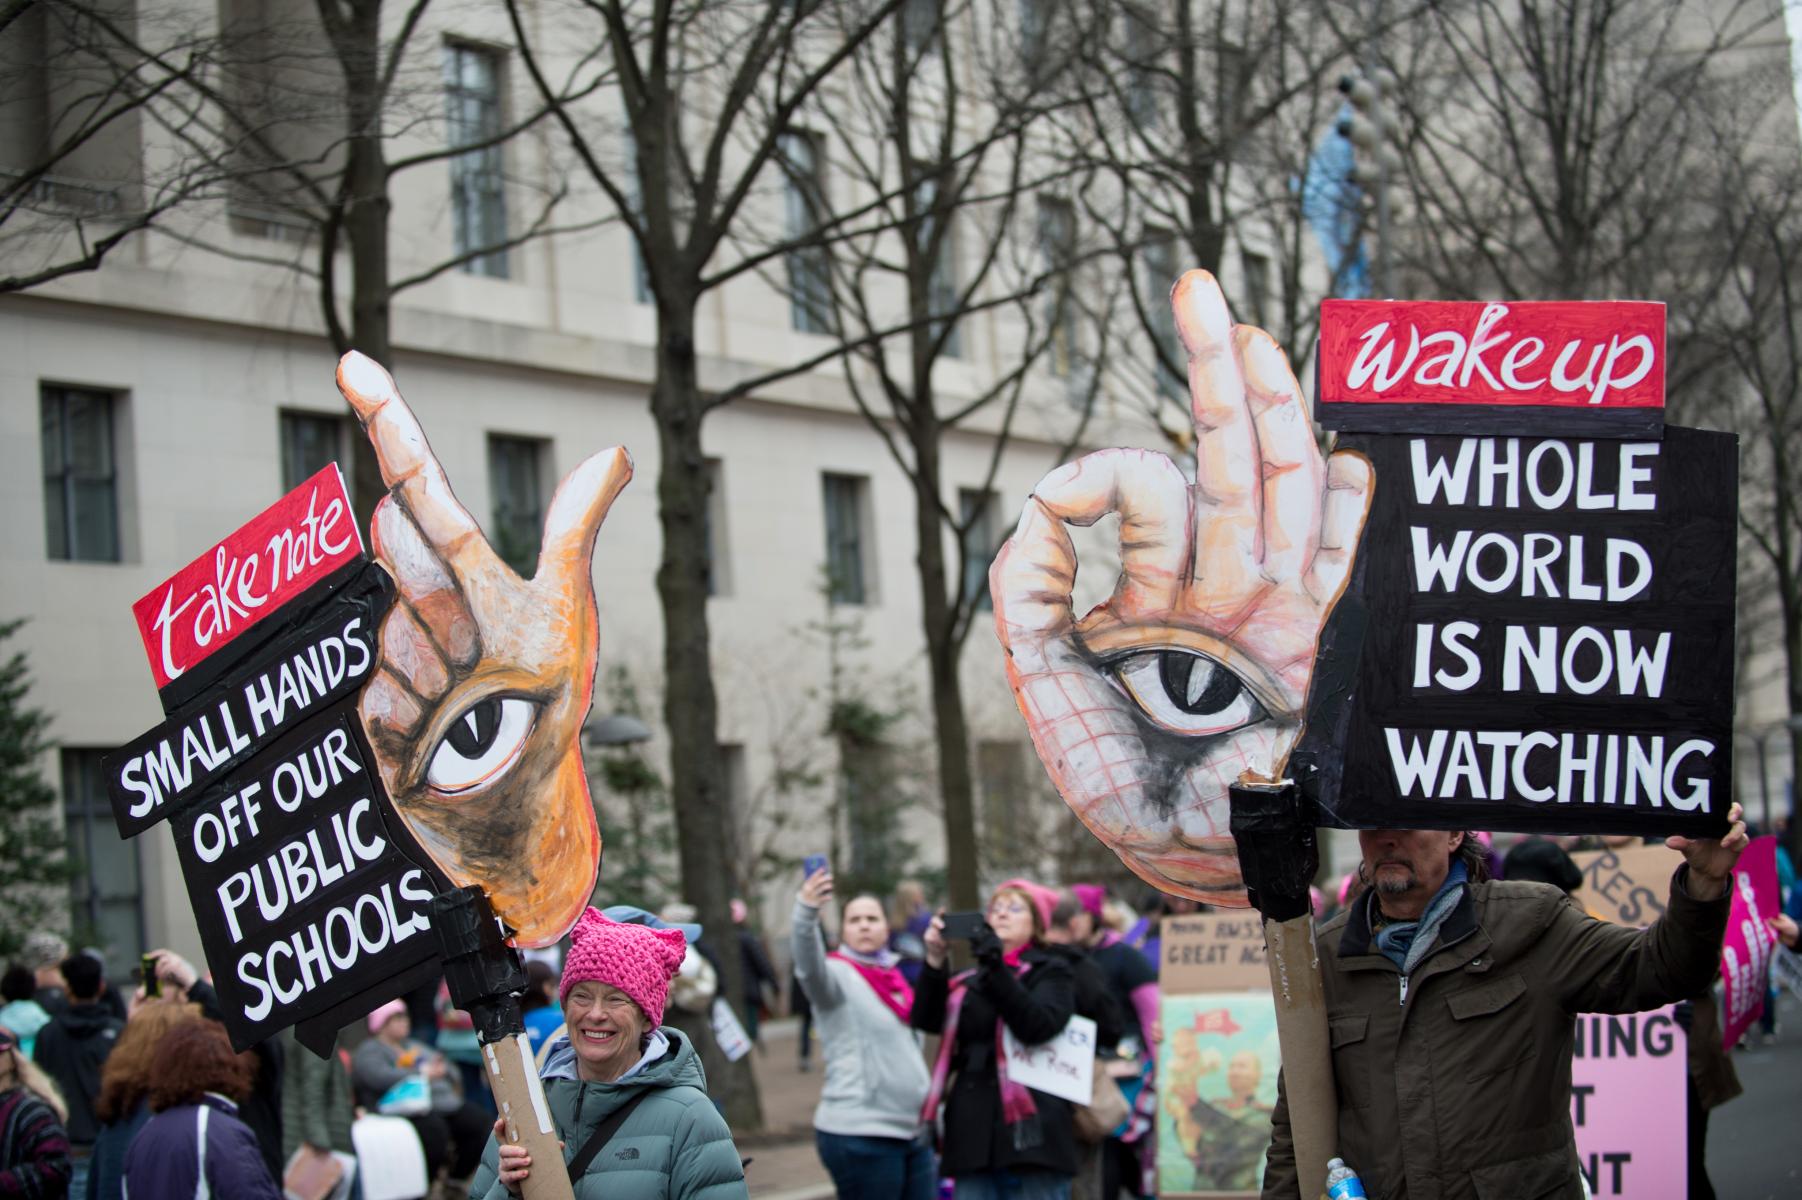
<point>812,865</point>
<point>153,987</point>
<point>963,925</point>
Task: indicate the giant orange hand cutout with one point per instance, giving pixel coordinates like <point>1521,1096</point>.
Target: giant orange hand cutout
<point>1196,669</point>
<point>476,708</point>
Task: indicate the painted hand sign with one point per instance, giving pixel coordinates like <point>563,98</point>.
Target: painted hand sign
<point>484,679</point>
<point>1196,670</point>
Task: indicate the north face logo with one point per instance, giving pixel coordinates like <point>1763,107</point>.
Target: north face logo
<point>629,1153</point>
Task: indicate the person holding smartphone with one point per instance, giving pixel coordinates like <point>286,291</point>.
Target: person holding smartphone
<point>999,1137</point>
<point>867,1126</point>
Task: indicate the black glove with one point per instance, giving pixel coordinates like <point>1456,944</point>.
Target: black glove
<point>986,947</point>
<point>1684,1013</point>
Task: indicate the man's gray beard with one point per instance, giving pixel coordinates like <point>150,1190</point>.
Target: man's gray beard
<point>1388,885</point>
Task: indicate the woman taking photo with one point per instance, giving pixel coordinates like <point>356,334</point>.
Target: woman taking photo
<point>1000,1137</point>
<point>867,1125</point>
<point>194,1144</point>
<point>34,1149</point>
<point>622,1076</point>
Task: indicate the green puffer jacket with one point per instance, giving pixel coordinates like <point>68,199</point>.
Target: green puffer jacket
<point>674,1146</point>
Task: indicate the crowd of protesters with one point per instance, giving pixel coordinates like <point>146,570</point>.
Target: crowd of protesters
<point>104,1094</point>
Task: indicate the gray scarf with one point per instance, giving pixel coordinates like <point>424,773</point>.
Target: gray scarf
<point>1406,943</point>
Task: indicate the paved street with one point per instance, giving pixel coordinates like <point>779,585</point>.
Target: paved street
<point>1755,1142</point>
<point>784,1165</point>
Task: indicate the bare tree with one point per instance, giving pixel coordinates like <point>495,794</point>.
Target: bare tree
<point>706,91</point>
<point>1550,144</point>
<point>1748,329</point>
<point>1201,126</point>
<point>943,198</point>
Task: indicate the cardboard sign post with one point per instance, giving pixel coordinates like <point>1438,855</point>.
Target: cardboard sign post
<point>311,900</point>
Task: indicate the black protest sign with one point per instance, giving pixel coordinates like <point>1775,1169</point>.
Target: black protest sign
<point>1540,639</point>
<point>308,892</point>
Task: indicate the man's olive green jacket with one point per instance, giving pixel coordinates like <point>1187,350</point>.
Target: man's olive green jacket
<point>1454,1083</point>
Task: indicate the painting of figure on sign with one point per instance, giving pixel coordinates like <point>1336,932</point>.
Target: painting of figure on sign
<point>484,678</point>
<point>1196,670</point>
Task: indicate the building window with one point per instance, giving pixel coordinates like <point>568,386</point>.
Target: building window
<point>515,480</point>
<point>1257,283</point>
<point>81,474</point>
<point>1057,244</point>
<point>1142,45</point>
<point>920,23</point>
<point>106,890</point>
<point>1157,258</point>
<point>809,268</point>
<point>977,511</point>
<point>310,443</point>
<point>1035,32</point>
<point>719,567</point>
<point>472,87</point>
<point>847,514</point>
<point>941,285</point>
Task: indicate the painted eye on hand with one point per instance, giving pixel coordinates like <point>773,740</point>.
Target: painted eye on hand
<point>1186,692</point>
<point>483,743</point>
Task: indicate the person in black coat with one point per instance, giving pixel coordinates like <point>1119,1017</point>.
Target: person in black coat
<point>998,1134</point>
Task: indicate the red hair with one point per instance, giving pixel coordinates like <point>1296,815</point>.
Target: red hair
<point>195,1058</point>
<point>125,1079</point>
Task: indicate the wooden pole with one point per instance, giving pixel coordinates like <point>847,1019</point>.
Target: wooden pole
<point>1278,857</point>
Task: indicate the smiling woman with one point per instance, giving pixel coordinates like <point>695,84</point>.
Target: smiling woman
<point>625,1080</point>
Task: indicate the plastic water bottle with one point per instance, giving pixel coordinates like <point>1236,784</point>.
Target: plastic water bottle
<point>1342,1183</point>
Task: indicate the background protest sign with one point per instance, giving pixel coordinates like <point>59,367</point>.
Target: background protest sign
<point>1629,1073</point>
<point>1538,636</point>
<point>1063,1066</point>
<point>1218,1062</point>
<point>1584,368</point>
<point>1746,950</point>
<point>1628,1079</point>
<point>1213,952</point>
<point>309,896</point>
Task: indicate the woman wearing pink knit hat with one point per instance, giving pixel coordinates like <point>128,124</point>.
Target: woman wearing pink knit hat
<point>999,1136</point>
<point>626,1092</point>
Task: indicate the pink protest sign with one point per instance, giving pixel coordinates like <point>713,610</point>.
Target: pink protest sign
<point>1627,1103</point>
<point>1746,952</point>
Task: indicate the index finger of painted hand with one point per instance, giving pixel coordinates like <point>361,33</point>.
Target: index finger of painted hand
<point>1226,457</point>
<point>576,512</point>
<point>1032,578</point>
<point>409,467</point>
<point>1288,457</point>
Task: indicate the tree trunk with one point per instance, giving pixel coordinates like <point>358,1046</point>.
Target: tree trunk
<point>690,707</point>
<point>367,209</point>
<point>950,727</point>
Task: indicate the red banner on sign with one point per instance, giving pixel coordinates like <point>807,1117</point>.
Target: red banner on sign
<point>1397,355</point>
<point>282,551</point>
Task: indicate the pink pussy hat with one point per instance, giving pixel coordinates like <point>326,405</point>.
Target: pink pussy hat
<point>1043,898</point>
<point>1091,896</point>
<point>379,1018</point>
<point>636,959</point>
